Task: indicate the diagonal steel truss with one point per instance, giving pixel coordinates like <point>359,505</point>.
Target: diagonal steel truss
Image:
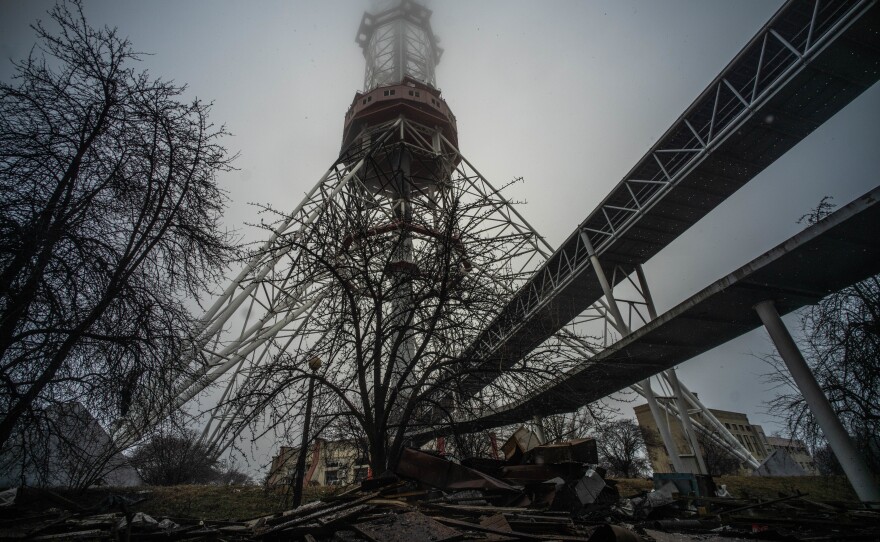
<point>267,307</point>
<point>783,48</point>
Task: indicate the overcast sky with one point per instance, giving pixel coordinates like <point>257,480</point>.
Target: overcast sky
<point>567,94</point>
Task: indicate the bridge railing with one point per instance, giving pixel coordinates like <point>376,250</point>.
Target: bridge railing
<point>780,50</point>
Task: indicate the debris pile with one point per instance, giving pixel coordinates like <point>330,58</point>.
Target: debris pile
<point>551,492</point>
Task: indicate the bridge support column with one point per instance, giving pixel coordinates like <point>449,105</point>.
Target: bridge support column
<point>685,416</point>
<point>852,462</point>
<point>619,322</point>
<point>671,449</point>
<point>662,426</point>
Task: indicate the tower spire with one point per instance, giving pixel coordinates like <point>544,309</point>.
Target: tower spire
<point>401,55</point>
<point>397,43</point>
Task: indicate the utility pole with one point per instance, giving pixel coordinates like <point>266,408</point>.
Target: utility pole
<point>314,365</point>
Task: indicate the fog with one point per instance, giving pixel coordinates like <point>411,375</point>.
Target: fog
<point>566,94</point>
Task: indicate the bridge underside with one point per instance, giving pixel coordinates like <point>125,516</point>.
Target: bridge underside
<point>826,257</point>
<point>832,78</point>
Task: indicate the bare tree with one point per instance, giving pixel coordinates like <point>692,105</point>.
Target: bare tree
<point>228,474</point>
<point>109,218</point>
<point>66,446</point>
<point>840,340</point>
<point>581,423</point>
<point>718,460</point>
<point>405,272</point>
<point>621,447</point>
<point>467,445</point>
<point>826,461</point>
<point>175,458</point>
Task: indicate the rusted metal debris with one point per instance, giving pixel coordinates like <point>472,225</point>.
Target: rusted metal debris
<point>525,497</point>
<point>446,475</point>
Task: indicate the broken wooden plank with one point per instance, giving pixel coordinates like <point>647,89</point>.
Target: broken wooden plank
<point>499,523</point>
<point>762,504</point>
<point>406,527</point>
<point>318,514</point>
<point>477,510</point>
<point>91,533</point>
<point>517,534</point>
<point>345,514</point>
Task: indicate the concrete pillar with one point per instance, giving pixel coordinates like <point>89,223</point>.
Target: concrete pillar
<point>668,442</point>
<point>852,462</point>
<point>686,425</point>
<point>620,323</point>
<point>662,426</point>
<point>646,292</point>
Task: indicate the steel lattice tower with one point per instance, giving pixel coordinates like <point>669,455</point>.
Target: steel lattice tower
<point>399,185</point>
<point>400,215</point>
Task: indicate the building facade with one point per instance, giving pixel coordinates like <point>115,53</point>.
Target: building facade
<point>63,451</point>
<point>328,463</point>
<point>798,452</point>
<point>748,434</point>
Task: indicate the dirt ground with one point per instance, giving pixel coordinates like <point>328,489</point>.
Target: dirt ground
<point>245,502</point>
<point>207,502</point>
<point>820,488</point>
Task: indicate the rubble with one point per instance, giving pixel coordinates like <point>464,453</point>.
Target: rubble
<point>536,493</point>
<point>779,463</point>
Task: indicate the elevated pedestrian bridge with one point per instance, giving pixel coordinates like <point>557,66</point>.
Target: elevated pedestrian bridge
<point>807,63</point>
<point>838,251</point>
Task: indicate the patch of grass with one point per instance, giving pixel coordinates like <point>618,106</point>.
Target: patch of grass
<point>222,502</point>
<point>210,502</point>
<point>213,503</point>
<point>819,488</point>
<point>203,502</point>
<point>627,487</point>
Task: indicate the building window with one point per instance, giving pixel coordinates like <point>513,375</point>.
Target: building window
<point>365,101</point>
<point>392,92</point>
<point>727,425</point>
<point>417,94</point>
<point>386,93</point>
<point>410,93</point>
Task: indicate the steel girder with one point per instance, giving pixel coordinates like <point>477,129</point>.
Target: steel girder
<point>708,153</point>
<point>268,306</point>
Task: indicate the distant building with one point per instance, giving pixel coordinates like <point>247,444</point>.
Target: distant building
<point>749,435</point>
<point>329,462</point>
<point>780,463</point>
<point>64,452</point>
<point>798,452</point>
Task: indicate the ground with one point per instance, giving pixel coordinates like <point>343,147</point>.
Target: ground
<point>243,502</point>
<point>207,502</point>
<point>820,488</point>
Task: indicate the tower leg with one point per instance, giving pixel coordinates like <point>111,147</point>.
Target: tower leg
<point>686,425</point>
<point>660,420</point>
<point>671,449</point>
<point>852,462</point>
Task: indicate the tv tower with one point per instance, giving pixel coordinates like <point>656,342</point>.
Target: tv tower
<point>399,224</point>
